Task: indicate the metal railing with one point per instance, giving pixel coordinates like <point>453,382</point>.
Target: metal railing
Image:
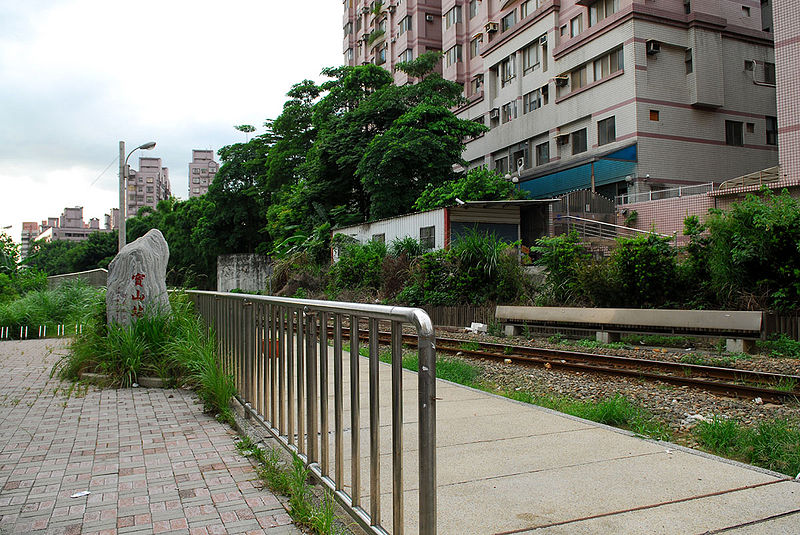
<point>277,350</point>
<point>589,228</point>
<point>695,189</point>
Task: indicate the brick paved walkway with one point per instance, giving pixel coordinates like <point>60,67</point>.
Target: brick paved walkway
<point>152,461</point>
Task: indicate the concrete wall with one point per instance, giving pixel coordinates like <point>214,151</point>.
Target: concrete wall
<point>247,272</point>
<point>93,277</point>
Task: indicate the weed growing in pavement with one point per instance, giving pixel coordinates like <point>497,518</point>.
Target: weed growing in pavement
<point>494,328</point>
<point>508,350</point>
<point>292,481</point>
<point>774,444</point>
<point>780,346</point>
<point>557,338</point>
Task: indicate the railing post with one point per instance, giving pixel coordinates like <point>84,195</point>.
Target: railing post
<point>427,426</point>
<point>311,384</point>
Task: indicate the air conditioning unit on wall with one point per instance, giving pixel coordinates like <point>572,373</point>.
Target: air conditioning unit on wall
<point>494,113</point>
<point>561,81</point>
<point>653,47</point>
<point>491,27</point>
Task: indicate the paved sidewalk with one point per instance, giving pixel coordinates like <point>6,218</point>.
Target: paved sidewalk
<point>151,460</point>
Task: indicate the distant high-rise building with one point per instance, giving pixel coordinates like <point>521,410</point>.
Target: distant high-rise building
<point>112,219</point>
<point>30,229</point>
<point>202,169</point>
<point>147,186</point>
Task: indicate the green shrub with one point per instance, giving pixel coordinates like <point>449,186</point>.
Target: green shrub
<point>70,303</point>
<point>359,266</point>
<point>781,346</point>
<point>562,256</point>
<point>646,266</point>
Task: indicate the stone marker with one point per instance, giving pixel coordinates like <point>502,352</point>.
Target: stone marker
<point>137,280</point>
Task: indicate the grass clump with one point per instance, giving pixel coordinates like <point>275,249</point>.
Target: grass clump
<point>724,361</point>
<point>292,480</point>
<point>773,444</point>
<point>71,303</point>
<point>617,411</point>
<point>781,346</point>
<point>174,346</point>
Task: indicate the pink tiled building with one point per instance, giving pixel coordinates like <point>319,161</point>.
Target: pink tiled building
<point>202,169</point>
<point>147,186</point>
<point>618,96</point>
<point>787,59</point>
<point>70,226</point>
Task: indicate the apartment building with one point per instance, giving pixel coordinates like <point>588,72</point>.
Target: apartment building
<point>70,226</point>
<point>386,33</point>
<point>612,95</point>
<point>202,169</point>
<point>787,59</point>
<point>147,186</point>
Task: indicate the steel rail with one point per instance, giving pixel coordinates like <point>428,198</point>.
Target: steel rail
<point>746,383</point>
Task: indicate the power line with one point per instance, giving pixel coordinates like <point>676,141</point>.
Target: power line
<point>103,171</point>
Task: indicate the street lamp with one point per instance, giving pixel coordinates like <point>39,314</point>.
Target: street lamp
<point>123,185</point>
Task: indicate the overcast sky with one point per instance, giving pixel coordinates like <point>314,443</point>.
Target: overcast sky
<point>78,76</point>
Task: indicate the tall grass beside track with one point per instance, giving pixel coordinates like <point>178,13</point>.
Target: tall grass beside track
<point>72,303</point>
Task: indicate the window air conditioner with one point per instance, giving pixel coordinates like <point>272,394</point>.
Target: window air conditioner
<point>543,40</point>
<point>491,27</point>
<point>562,139</point>
<point>428,18</point>
<point>561,81</point>
<point>653,47</point>
<point>392,8</point>
<point>494,113</point>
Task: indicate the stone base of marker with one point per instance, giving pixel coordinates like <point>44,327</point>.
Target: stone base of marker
<point>137,280</point>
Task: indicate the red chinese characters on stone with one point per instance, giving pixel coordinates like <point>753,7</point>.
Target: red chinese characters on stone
<point>138,309</point>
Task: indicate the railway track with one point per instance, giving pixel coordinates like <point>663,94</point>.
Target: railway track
<point>770,387</point>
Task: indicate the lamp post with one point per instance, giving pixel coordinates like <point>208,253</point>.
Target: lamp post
<point>123,185</point>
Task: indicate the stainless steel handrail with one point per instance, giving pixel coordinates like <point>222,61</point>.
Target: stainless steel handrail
<point>277,351</point>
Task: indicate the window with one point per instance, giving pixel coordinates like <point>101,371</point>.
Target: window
<point>501,165</point>
<point>454,55</point>
<point>149,180</point>
<point>606,131</point>
<point>358,24</point>
<point>379,237</point>
<point>473,8</point>
<point>602,9</point>
<point>734,134</point>
<point>507,70</point>
<point>530,57</point>
<point>476,85</point>
<point>348,29</point>
<point>149,198</point>
<point>579,141</point>
<point>349,54</point>
<point>407,55</point>
<point>528,7</point>
<point>204,171</point>
<point>509,21</point>
<point>475,46</point>
<point>576,26</point>
<point>427,237</point>
<point>577,78</point>
<point>453,16</point>
<point>745,11</point>
<point>543,153</point>
<point>769,73</point>
<point>196,190</point>
<point>508,111</point>
<point>405,24</point>
<point>772,130</point>
<point>654,115</point>
<point>380,56</point>
<point>532,101</point>
<point>195,180</point>
<point>687,59</point>
<point>751,128</point>
<point>196,171</point>
<point>608,64</point>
